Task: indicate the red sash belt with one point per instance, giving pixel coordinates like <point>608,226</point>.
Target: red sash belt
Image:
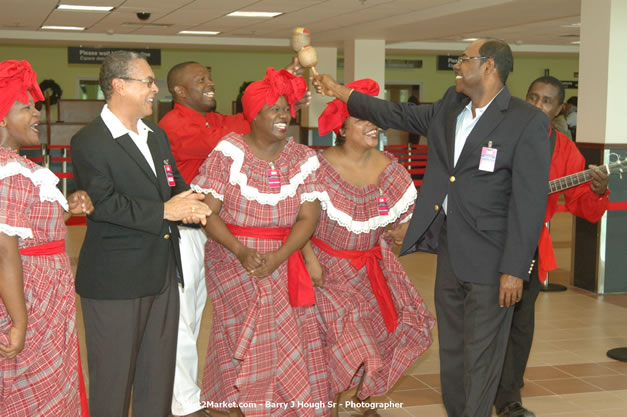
<point>370,258</point>
<point>299,285</point>
<point>50,248</point>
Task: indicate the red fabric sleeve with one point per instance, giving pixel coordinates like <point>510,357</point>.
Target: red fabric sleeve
<point>581,200</point>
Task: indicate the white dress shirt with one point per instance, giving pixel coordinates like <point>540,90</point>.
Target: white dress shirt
<point>465,124</point>
<point>117,129</point>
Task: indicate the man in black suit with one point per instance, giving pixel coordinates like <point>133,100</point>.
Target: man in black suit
<point>130,263</point>
<point>481,208</point>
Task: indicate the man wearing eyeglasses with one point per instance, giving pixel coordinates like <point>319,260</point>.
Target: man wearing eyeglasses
<point>129,266</point>
<point>193,129</point>
<point>480,207</point>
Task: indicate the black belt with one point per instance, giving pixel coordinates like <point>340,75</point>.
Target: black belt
<point>190,225</point>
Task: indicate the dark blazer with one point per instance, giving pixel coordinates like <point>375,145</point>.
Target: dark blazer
<point>128,243</point>
<point>494,218</point>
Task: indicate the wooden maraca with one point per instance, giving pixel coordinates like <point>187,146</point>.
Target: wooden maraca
<point>301,44</point>
<point>308,58</point>
<point>300,38</point>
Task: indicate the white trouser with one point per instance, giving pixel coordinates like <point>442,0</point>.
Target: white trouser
<point>186,398</point>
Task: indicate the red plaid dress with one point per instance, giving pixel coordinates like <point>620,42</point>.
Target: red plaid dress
<point>356,337</point>
<point>262,351</point>
<point>42,380</point>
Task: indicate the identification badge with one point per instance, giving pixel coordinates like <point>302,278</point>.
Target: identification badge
<point>169,175</point>
<point>274,180</point>
<point>488,158</point>
<point>382,206</point>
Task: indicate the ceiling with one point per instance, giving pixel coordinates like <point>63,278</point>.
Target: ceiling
<point>535,26</point>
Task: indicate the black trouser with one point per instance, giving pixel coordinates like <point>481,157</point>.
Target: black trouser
<point>473,331</point>
<point>519,344</point>
<point>132,344</point>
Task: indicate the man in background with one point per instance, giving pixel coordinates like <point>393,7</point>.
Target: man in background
<point>193,129</point>
<point>587,200</point>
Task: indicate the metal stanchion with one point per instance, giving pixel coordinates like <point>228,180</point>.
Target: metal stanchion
<point>619,354</point>
<point>549,287</point>
<point>64,170</point>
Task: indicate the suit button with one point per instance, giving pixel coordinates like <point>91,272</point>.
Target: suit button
<point>436,207</point>
<point>452,179</point>
<point>166,236</point>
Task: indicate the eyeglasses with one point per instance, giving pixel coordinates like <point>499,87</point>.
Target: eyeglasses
<point>462,59</point>
<point>150,81</point>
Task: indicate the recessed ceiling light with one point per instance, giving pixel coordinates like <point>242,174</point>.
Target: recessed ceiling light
<point>85,8</point>
<point>576,42</point>
<point>198,32</point>
<point>63,28</point>
<point>470,39</point>
<point>254,14</point>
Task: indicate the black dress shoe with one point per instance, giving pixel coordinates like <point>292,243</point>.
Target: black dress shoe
<point>515,409</point>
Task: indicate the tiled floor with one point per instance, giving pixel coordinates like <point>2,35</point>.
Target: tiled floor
<point>569,373</point>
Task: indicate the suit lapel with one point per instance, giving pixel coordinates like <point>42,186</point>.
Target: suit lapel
<point>493,115</point>
<point>129,146</point>
<point>155,151</point>
<point>450,127</point>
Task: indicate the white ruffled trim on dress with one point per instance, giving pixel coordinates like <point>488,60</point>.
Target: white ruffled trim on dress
<point>21,232</point>
<point>41,177</point>
<point>346,221</point>
<point>211,191</point>
<point>237,177</point>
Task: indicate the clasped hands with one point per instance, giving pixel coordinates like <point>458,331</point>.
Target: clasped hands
<point>80,203</point>
<point>187,207</point>
<point>256,264</point>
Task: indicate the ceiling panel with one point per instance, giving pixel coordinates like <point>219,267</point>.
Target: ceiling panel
<point>330,21</point>
<point>113,3</point>
<point>72,18</point>
<point>155,4</point>
<point>15,16</point>
<point>189,17</point>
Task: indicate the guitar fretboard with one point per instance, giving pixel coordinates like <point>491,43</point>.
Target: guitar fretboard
<point>573,180</point>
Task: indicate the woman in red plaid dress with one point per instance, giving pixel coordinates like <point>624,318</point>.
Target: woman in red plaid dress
<point>39,363</point>
<point>376,324</point>
<point>265,357</point>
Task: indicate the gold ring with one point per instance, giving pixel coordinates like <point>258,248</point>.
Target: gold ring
<point>193,208</point>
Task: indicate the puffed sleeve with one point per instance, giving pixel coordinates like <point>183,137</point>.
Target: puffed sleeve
<point>402,190</point>
<point>213,174</point>
<point>16,193</point>
<point>312,185</point>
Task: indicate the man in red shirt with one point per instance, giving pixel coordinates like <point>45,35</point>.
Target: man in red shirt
<point>588,200</point>
<point>193,130</point>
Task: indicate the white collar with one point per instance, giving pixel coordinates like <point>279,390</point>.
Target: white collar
<point>116,127</point>
<point>479,110</point>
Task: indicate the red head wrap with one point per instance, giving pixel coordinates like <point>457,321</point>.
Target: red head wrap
<point>16,79</point>
<point>332,118</point>
<point>267,91</point>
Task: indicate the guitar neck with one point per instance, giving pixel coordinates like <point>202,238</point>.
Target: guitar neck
<point>573,180</point>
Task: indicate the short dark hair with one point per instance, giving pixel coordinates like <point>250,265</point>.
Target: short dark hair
<point>175,73</point>
<point>116,65</point>
<point>547,79</point>
<point>572,100</point>
<point>501,53</point>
